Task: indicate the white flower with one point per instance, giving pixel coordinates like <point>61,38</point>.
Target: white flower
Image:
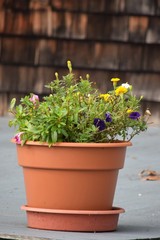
<point>126,85</point>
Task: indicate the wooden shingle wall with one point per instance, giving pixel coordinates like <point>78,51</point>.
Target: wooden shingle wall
<point>113,38</point>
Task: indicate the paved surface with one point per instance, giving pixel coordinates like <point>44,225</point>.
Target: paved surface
<point>140,199</point>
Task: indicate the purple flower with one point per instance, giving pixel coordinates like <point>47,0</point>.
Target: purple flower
<point>34,98</point>
<point>134,115</point>
<point>17,137</point>
<point>108,117</point>
<point>99,123</point>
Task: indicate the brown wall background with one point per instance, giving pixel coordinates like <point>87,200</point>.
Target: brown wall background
<point>105,38</point>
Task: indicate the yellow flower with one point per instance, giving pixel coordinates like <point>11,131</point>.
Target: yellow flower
<point>121,90</point>
<point>105,96</point>
<point>115,79</point>
<point>129,111</point>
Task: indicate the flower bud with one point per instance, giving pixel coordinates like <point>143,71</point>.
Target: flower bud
<point>69,64</point>
<point>56,75</point>
<point>147,112</point>
<point>87,76</point>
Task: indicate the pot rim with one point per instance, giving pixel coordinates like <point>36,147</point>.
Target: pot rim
<point>114,210</point>
<point>75,144</point>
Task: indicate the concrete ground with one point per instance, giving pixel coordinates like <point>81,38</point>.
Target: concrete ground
<point>139,198</point>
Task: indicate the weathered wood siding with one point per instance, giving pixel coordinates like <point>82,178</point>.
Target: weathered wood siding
<point>103,38</point>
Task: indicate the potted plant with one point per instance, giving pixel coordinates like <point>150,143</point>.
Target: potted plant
<point>71,146</point>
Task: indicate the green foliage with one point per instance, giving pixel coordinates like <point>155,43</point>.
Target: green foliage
<point>75,111</point>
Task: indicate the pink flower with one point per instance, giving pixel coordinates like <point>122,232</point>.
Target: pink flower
<point>34,98</point>
<point>17,137</point>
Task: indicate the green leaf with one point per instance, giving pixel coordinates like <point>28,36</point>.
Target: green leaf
<point>54,136</point>
<point>12,104</point>
<point>64,133</point>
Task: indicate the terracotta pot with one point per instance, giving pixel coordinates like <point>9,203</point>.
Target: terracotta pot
<point>71,176</point>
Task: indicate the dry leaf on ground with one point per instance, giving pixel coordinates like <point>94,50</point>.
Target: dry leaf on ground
<point>150,175</point>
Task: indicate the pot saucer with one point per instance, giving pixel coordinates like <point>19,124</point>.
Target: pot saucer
<point>73,220</point>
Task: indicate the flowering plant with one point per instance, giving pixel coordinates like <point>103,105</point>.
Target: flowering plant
<point>75,111</point>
